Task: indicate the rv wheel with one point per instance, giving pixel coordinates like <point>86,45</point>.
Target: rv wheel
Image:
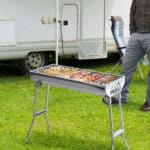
<point>35,60</point>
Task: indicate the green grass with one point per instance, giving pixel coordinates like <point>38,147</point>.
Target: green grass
<point>79,120</point>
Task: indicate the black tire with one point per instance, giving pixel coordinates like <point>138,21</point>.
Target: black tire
<point>35,60</point>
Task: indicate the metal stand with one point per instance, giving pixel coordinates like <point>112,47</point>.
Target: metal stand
<point>37,113</point>
<point>120,131</point>
<point>119,62</point>
<point>140,71</point>
<point>114,134</point>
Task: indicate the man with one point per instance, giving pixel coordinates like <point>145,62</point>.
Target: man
<point>138,46</point>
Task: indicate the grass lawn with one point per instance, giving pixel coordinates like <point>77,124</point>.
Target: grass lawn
<point>79,120</point>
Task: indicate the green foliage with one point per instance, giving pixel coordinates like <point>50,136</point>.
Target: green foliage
<point>79,120</point>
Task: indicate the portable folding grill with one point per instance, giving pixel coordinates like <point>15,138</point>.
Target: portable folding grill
<point>83,80</point>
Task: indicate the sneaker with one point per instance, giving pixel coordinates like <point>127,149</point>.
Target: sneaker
<point>145,106</point>
<point>113,100</point>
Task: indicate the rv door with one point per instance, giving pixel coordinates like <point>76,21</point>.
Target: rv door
<point>70,22</point>
<point>92,26</point>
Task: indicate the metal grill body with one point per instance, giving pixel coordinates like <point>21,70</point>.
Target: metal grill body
<point>109,89</point>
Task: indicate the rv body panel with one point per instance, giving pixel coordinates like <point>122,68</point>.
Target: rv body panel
<point>84,27</point>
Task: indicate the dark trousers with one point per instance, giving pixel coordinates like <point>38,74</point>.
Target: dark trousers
<point>138,46</point>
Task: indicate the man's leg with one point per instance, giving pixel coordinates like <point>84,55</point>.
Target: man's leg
<point>146,105</point>
<point>148,89</point>
<point>146,46</point>
<point>134,53</point>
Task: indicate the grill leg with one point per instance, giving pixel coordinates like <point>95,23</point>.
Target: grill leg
<point>37,113</point>
<point>121,123</point>
<point>34,115</point>
<point>121,130</point>
<point>111,124</point>
<point>46,109</point>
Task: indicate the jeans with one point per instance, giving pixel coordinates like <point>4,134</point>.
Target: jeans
<point>138,46</point>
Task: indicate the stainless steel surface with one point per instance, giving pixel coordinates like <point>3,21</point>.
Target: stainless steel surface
<point>110,89</point>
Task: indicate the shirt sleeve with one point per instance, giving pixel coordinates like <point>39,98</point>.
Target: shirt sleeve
<point>132,25</point>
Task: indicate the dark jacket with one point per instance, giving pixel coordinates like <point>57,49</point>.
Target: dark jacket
<point>140,16</point>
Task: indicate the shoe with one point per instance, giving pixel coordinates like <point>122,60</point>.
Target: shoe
<point>145,106</point>
<point>113,100</point>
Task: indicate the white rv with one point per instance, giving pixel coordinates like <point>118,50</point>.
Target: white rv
<point>28,29</point>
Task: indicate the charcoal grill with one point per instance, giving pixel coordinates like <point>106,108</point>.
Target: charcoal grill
<point>109,89</point>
